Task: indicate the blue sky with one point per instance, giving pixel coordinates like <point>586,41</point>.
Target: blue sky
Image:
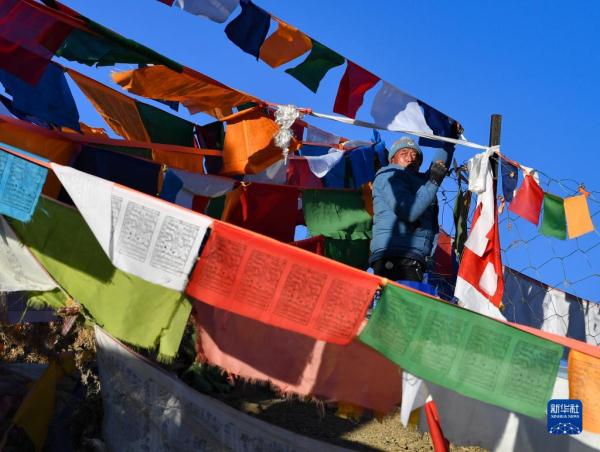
<point>534,62</point>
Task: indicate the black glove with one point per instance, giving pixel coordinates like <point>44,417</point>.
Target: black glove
<point>437,172</point>
<point>457,130</point>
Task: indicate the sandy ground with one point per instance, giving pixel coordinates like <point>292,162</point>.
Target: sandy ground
<point>37,343</point>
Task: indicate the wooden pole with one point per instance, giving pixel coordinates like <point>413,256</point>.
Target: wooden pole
<point>495,129</point>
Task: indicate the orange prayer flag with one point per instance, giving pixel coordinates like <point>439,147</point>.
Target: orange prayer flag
<point>284,45</point>
<point>197,92</point>
<point>249,146</point>
<point>579,221</point>
<point>54,149</point>
<point>281,285</point>
<point>584,385</point>
<point>193,162</point>
<point>119,111</point>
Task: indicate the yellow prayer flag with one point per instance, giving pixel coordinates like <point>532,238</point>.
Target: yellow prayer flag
<point>577,212</point>
<point>584,385</point>
<point>119,111</point>
<point>284,45</point>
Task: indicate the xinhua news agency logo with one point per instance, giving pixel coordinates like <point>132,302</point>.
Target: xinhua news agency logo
<point>564,417</point>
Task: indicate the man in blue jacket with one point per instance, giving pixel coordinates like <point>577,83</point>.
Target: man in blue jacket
<point>405,220</point>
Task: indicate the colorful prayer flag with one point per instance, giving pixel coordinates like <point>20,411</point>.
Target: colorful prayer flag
<point>138,312</point>
<point>393,109</point>
<point>527,203</point>
<point>554,222</point>
<point>584,385</point>
<point>316,65</point>
<point>249,30</point>
<point>284,45</point>
<point>215,10</point>
<point>468,353</point>
<point>510,178</point>
<point>21,183</point>
<point>281,285</point>
<point>353,86</point>
<point>577,212</point>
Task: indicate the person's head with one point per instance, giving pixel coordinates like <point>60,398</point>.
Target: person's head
<point>406,153</point>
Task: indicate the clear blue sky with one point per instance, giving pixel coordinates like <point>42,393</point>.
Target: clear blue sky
<point>536,63</point>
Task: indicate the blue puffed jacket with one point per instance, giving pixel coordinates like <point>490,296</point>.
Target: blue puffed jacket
<point>405,220</point>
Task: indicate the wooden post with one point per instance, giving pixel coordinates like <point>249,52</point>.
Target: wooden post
<point>495,129</point>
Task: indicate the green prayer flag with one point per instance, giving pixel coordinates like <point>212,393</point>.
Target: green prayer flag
<point>337,214</point>
<point>461,215</point>
<point>350,252</point>
<point>318,62</point>
<point>464,351</point>
<point>163,127</point>
<point>138,152</point>
<point>215,207</point>
<point>108,49</point>
<point>554,221</point>
<point>131,309</point>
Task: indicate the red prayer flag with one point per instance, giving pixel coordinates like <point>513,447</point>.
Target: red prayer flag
<point>353,86</point>
<point>281,285</point>
<point>527,203</point>
<point>438,440</point>
<point>300,175</point>
<point>29,36</point>
<point>314,244</point>
<point>267,209</point>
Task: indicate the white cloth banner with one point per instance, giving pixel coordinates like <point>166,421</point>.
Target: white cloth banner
<point>201,185</point>
<point>477,241</point>
<point>414,395</point>
<point>216,10</point>
<point>395,110</point>
<point>142,235</point>
<point>322,164</point>
<point>146,408</point>
<point>316,135</point>
<point>19,270</point>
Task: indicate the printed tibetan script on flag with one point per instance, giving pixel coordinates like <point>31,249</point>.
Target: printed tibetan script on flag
<point>280,285</point>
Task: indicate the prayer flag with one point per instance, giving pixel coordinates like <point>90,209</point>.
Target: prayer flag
<point>510,178</point>
<point>249,146</point>
<point>285,44</point>
<point>479,285</point>
<point>29,36</point>
<point>362,161</point>
<point>468,353</point>
<point>300,175</point>
<point>393,109</point>
<point>130,308</point>
<point>527,203</point>
<point>352,252</point>
<point>554,222</point>
<point>249,30</point>
<point>461,216</point>
<point>21,183</point>
<point>197,92</point>
<point>215,10</point>
<point>19,271</point>
<point>316,135</point>
<point>577,212</point>
<point>353,86</point>
<point>163,127</point>
<point>337,214</point>
<point>266,209</point>
<point>294,363</point>
<point>584,385</point>
<point>181,187</point>
<point>281,285</point>
<point>313,244</point>
<point>316,65</point>
<point>274,174</point>
<point>50,99</point>
<point>142,235</point>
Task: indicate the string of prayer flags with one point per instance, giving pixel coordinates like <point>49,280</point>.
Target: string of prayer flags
<point>468,353</point>
<point>249,146</point>
<point>579,221</point>
<point>336,214</point>
<point>554,221</point>
<point>29,36</point>
<point>584,385</point>
<point>249,30</point>
<point>21,184</point>
<point>527,203</point>
<point>19,271</point>
<point>319,61</point>
<point>295,363</point>
<point>136,311</point>
<point>355,82</point>
<point>197,92</point>
<point>215,10</point>
<point>142,235</point>
<point>49,100</point>
<point>269,210</point>
<point>132,119</point>
<point>281,285</point>
<point>510,178</point>
<point>284,45</point>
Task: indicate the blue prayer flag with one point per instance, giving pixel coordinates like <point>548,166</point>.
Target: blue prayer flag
<point>249,30</point>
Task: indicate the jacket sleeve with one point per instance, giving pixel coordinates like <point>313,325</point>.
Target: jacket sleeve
<point>400,198</point>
